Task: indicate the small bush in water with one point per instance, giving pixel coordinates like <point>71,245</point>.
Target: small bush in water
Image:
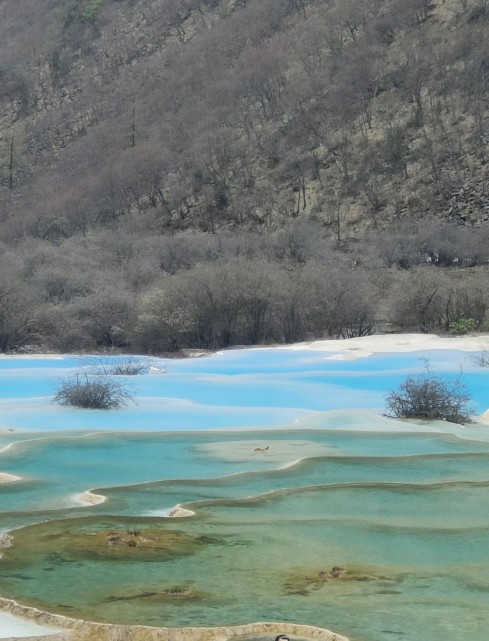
<point>430,397</point>
<point>92,392</point>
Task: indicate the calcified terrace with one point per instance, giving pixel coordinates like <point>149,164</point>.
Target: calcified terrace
<point>323,503</point>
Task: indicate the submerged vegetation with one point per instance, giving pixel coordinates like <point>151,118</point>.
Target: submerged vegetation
<point>87,538</point>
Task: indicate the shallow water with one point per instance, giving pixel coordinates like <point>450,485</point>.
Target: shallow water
<point>404,508</point>
<point>12,626</point>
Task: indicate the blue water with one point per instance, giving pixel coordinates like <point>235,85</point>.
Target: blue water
<point>235,389</point>
<point>402,506</point>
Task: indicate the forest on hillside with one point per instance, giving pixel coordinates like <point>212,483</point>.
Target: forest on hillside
<point>206,173</point>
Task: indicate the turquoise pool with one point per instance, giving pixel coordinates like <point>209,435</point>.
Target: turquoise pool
<point>403,508</point>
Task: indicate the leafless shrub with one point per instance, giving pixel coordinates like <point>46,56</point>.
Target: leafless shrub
<point>482,357</point>
<point>129,366</point>
<point>92,392</point>
<point>430,397</point>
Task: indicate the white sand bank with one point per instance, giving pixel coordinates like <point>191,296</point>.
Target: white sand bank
<point>179,512</point>
<point>280,452</point>
<point>89,498</point>
<point>28,357</point>
<point>392,343</point>
<point>8,478</point>
<point>377,343</point>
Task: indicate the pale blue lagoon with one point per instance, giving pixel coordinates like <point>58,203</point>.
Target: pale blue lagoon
<point>402,507</point>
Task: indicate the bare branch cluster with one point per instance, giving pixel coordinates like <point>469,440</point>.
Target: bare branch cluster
<point>482,357</point>
<point>128,366</point>
<point>430,397</point>
<point>92,392</point>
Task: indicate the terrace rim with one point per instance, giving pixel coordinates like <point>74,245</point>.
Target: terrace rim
<point>79,630</point>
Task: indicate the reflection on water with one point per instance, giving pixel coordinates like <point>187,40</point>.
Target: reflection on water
<point>377,529</point>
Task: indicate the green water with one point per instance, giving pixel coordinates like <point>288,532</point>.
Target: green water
<point>406,515</point>
<point>402,507</point>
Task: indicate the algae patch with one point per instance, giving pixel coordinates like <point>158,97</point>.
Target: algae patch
<point>71,540</point>
<point>303,583</point>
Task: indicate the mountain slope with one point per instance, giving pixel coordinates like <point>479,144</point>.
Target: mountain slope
<point>212,114</point>
<point>182,173</point>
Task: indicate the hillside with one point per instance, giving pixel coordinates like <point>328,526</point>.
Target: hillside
<point>152,146</point>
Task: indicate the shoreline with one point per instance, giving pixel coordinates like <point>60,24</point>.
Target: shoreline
<point>78,630</point>
<point>374,344</point>
<point>395,343</point>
